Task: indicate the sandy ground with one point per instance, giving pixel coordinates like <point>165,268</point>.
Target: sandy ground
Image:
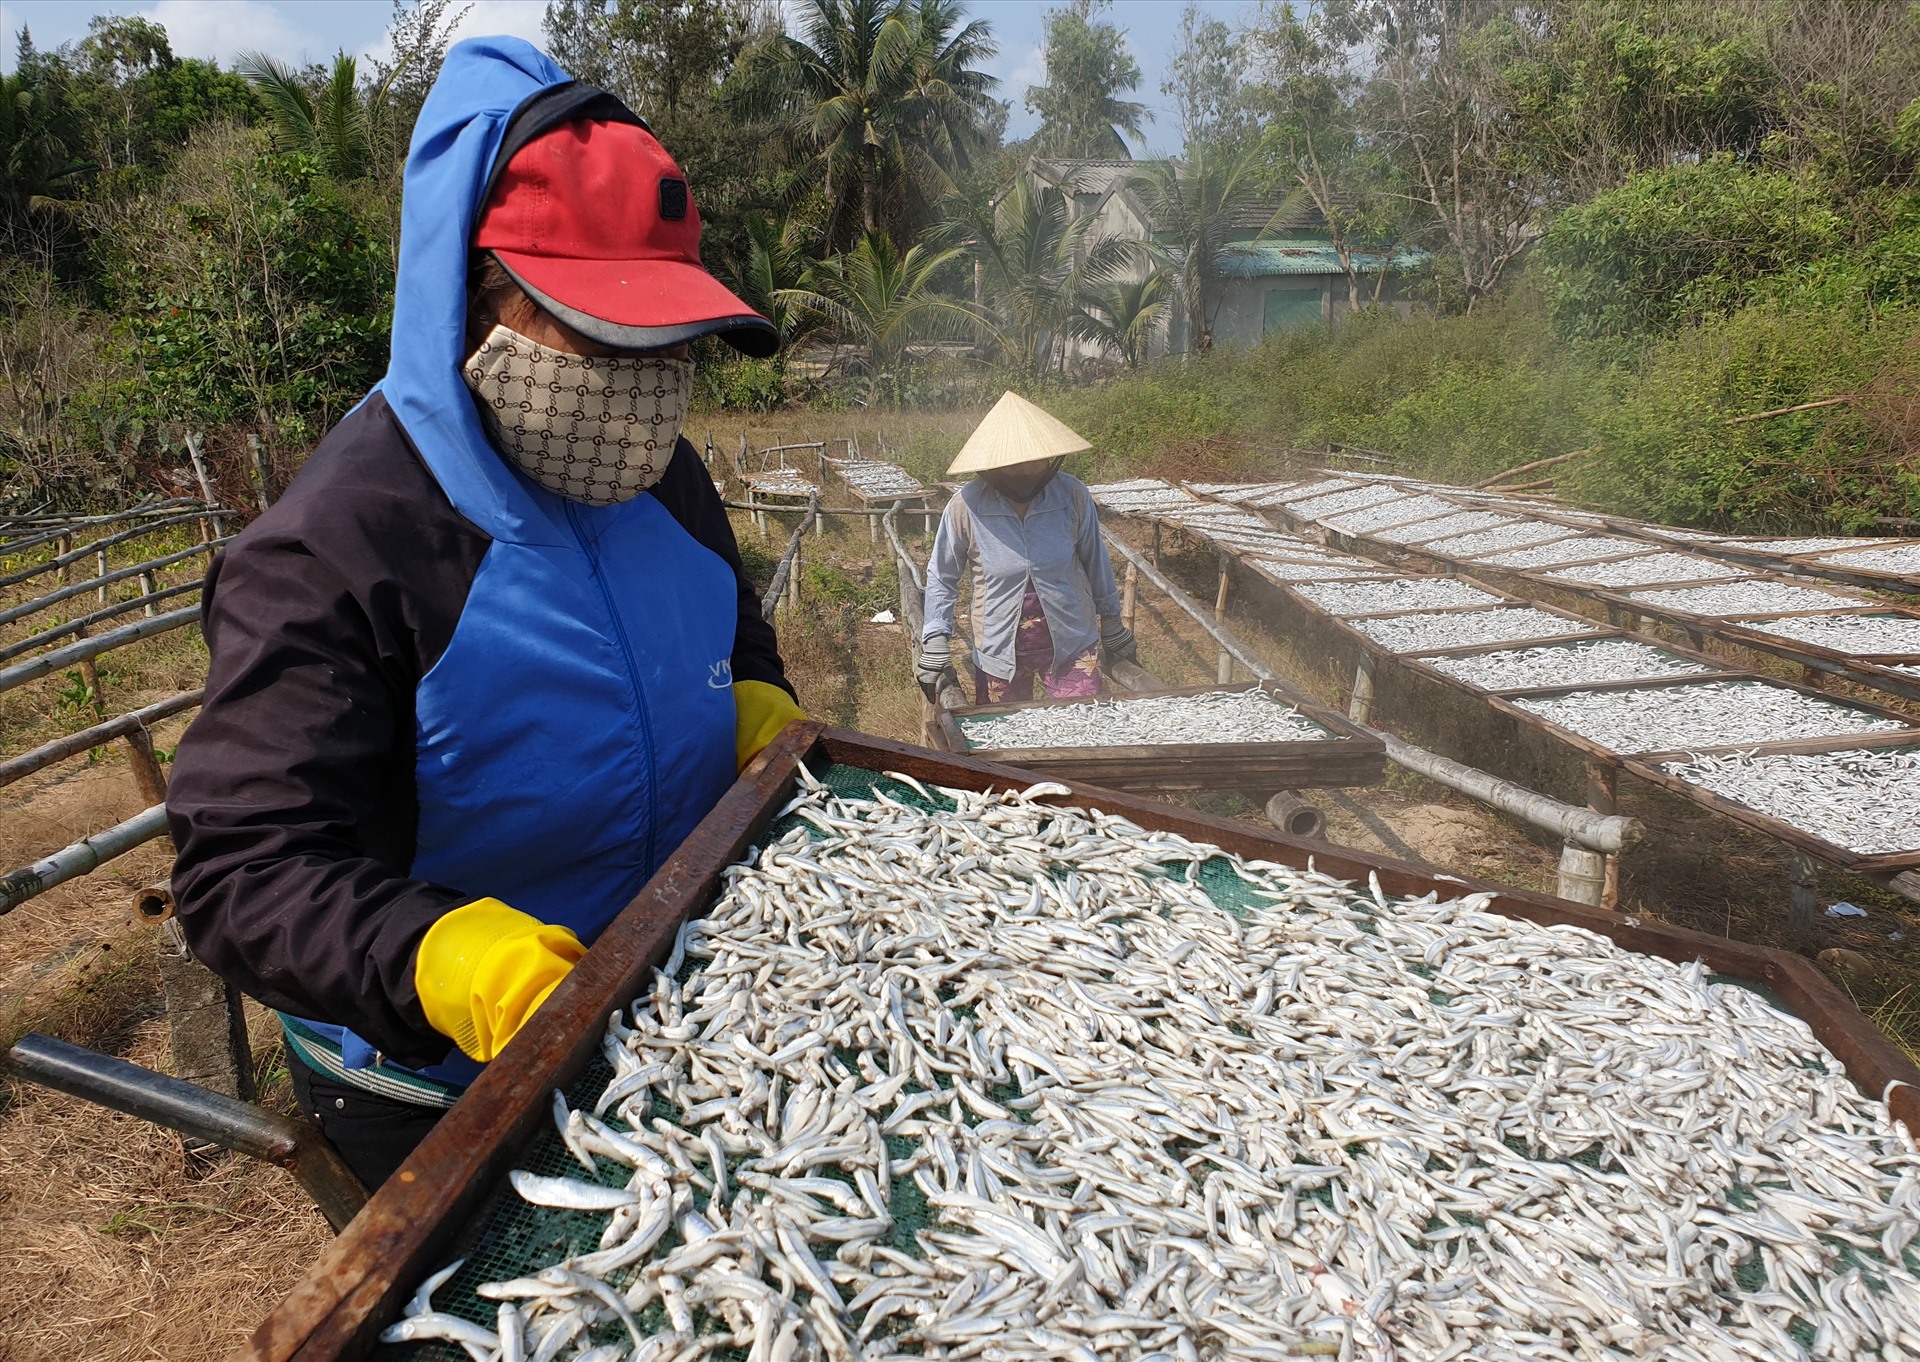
<point>114,1246</point>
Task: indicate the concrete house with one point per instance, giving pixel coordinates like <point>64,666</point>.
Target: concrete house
<point>1289,278</point>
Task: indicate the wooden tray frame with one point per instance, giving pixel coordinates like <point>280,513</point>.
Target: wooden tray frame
<point>362,1278</point>
<point>1351,757</point>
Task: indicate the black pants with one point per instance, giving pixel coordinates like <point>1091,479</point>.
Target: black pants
<point>374,1134</point>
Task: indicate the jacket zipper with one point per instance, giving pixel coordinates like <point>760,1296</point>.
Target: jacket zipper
<point>633,680</point>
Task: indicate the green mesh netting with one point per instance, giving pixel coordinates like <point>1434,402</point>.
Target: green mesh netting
<point>509,1238</point>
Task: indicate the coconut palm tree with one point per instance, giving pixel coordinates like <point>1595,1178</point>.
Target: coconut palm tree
<point>1124,315</point>
<point>338,131</point>
<point>884,97</point>
<point>1193,206</point>
<point>777,259</point>
<point>1034,264</point>
<point>880,300</point>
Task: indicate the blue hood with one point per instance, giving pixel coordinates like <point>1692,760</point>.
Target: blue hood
<point>455,141</point>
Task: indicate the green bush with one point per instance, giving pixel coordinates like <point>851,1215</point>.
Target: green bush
<point>1679,245</point>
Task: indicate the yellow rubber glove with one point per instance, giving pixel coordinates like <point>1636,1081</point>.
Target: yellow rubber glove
<point>760,711</point>
<point>484,968</point>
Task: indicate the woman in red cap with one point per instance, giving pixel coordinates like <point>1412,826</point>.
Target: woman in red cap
<point>493,655</point>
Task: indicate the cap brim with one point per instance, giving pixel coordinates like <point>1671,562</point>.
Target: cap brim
<point>641,304</point>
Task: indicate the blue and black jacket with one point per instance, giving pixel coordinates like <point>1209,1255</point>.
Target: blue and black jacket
<point>432,681</point>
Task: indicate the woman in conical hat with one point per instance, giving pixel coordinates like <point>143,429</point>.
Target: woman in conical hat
<point>1044,600</point>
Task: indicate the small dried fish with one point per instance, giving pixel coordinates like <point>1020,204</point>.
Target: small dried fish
<point>1008,1080</point>
<point>1459,523</point>
<point>1147,720</point>
<point>1468,628</point>
<point>1902,559</point>
<point>1404,593</point>
<point>1402,508</point>
<point>1704,714</point>
<point>1855,635</point>
<point>1865,801</point>
<point>1566,664</point>
<point>1758,597</point>
<point>1648,568</point>
<point>1572,550</point>
<point>1502,538</point>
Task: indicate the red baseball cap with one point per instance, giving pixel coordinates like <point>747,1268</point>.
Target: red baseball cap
<point>595,221</point>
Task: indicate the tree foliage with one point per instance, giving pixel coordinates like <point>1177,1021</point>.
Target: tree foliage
<point>884,99</point>
<point>1088,69</point>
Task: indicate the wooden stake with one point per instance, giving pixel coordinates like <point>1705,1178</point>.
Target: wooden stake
<point>100,566</point>
<point>1603,798</point>
<point>209,1029</point>
<point>1220,617</point>
<point>1360,707</point>
<point>147,775</point>
<point>1128,595</point>
<point>1582,875</point>
<point>148,585</point>
<point>219,530</point>
<point>262,482</point>
<point>1800,896</point>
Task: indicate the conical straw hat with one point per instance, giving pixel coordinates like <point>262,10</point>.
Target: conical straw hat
<point>1015,431</point>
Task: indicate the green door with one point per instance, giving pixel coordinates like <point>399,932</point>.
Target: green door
<point>1287,308</point>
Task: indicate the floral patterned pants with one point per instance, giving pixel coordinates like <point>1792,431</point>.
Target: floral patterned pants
<point>1033,660</point>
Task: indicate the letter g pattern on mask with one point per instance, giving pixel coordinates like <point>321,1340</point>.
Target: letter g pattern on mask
<point>594,429</point>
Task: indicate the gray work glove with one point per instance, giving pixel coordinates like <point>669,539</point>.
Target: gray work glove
<point>936,664</point>
<point>1116,641</point>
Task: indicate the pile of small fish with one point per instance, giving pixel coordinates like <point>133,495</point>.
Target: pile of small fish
<point>1705,714</point>
<point>1905,558</point>
<point>1854,635</point>
<point>1649,568</point>
<point>1758,597</point>
<point>1566,664</point>
<point>1393,512</point>
<point>1516,534</point>
<point>1002,1080</point>
<point>1405,593</point>
<point>1461,522</point>
<point>1144,721</point>
<point>1865,801</point>
<point>875,478</point>
<point>1352,499</point>
<point>1315,570</point>
<point>781,482</point>
<point>1793,547</point>
<point>1469,628</point>
<point>1141,496</point>
<point>1576,550</point>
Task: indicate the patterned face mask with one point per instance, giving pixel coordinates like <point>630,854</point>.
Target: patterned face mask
<point>593,429</point>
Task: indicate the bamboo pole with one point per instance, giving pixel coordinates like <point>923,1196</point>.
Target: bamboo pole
<point>89,648</point>
<point>1225,668</point>
<point>103,581</point>
<point>1512,473</point>
<point>1128,595</point>
<point>212,517</point>
<point>1842,400</point>
<point>45,755</point>
<point>68,557</point>
<point>80,624</point>
<point>787,565</point>
<point>84,856</point>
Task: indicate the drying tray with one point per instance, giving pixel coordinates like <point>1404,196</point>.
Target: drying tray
<point>1347,756</point>
<point>447,1198</point>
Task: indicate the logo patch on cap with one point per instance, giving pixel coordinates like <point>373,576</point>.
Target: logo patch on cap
<point>673,200</point>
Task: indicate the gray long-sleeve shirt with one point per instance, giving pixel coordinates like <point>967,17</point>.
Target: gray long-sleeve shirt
<point>1057,547</point>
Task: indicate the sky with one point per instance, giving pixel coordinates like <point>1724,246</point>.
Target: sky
<point>313,30</point>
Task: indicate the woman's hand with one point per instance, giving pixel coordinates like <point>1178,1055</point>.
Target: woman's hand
<point>936,663</point>
<point>1116,641</point>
